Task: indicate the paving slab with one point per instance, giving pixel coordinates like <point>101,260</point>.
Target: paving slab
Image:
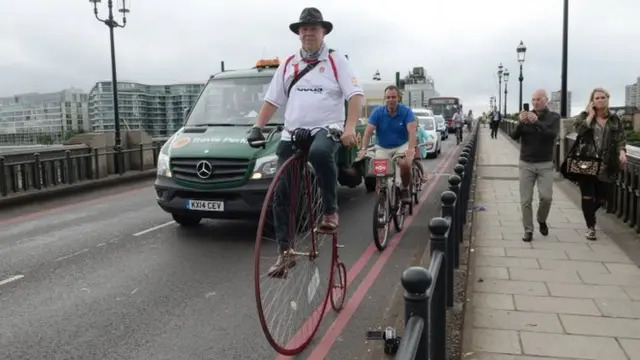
<point>558,297</point>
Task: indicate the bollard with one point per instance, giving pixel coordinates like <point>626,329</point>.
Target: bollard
<point>37,178</point>
<point>416,281</point>
<point>3,177</point>
<point>438,311</point>
<point>459,169</point>
<point>141,149</point>
<point>96,163</point>
<point>67,160</point>
<point>448,199</point>
<point>454,186</point>
<point>464,187</point>
<point>119,159</point>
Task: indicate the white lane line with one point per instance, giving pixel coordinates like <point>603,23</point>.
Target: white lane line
<point>11,279</point>
<point>71,255</point>
<point>154,228</point>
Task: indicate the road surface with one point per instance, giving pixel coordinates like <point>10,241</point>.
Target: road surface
<point>109,276</point>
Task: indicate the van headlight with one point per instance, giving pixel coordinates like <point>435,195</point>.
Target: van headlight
<point>163,165</point>
<point>266,167</point>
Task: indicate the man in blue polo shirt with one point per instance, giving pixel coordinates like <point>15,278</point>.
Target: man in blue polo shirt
<point>395,127</point>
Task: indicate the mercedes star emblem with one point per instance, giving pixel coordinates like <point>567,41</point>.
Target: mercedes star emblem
<point>204,169</point>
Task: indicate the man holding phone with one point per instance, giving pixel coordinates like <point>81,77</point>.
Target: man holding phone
<point>537,132</point>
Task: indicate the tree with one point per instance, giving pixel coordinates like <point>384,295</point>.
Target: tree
<point>44,139</point>
<point>71,133</point>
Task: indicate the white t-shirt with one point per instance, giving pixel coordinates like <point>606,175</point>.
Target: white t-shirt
<point>317,99</point>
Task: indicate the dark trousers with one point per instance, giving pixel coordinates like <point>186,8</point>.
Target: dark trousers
<point>495,125</point>
<point>595,194</point>
<point>322,156</point>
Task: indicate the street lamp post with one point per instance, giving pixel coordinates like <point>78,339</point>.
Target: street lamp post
<point>500,71</point>
<point>565,41</point>
<point>505,75</point>
<point>112,24</point>
<point>521,51</point>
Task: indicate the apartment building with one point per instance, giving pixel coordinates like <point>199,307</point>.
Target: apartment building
<point>28,119</point>
<point>157,109</point>
<point>554,102</point>
<point>632,94</point>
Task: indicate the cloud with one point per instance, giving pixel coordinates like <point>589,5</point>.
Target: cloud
<point>49,45</point>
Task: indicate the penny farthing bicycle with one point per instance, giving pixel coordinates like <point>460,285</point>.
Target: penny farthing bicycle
<point>292,297</point>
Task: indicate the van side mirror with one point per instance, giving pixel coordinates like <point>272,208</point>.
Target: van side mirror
<point>186,113</point>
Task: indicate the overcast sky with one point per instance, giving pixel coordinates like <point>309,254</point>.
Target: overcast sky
<point>50,45</point>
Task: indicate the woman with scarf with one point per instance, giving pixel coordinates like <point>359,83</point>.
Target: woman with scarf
<point>600,135</point>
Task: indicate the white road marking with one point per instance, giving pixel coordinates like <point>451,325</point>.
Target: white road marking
<point>11,279</point>
<point>72,255</point>
<point>154,228</point>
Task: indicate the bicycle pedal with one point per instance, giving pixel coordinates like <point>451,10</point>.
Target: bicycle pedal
<point>322,231</point>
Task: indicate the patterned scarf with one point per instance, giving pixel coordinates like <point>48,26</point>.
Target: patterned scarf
<point>311,57</point>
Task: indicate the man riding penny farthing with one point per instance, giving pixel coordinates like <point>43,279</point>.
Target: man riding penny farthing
<point>297,270</point>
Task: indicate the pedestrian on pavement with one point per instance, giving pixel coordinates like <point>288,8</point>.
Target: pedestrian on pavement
<point>537,132</point>
<point>600,135</point>
<point>495,118</point>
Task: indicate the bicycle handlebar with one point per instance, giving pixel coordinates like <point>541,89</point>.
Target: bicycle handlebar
<point>258,143</point>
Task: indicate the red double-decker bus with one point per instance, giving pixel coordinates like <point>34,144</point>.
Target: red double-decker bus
<point>445,106</point>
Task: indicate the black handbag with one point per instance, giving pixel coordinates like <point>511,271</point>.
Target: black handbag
<point>580,168</point>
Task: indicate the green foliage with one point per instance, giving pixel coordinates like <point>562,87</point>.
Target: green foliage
<point>45,139</point>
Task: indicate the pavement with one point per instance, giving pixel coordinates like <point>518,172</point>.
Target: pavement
<point>108,275</point>
<point>558,297</point>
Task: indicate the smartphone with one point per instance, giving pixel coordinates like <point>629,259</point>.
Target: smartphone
<point>525,106</point>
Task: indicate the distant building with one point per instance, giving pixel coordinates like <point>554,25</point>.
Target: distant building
<point>419,87</point>
<point>33,118</point>
<point>632,94</point>
<point>157,109</point>
<point>554,102</point>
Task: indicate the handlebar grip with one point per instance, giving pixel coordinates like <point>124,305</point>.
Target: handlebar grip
<point>257,143</point>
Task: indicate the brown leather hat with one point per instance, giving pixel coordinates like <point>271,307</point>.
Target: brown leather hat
<point>311,16</point>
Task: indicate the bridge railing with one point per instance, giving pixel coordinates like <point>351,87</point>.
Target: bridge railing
<point>625,199</point>
<point>429,293</point>
<point>24,172</point>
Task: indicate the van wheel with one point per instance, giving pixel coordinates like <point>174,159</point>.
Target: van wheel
<point>185,220</point>
<point>370,184</point>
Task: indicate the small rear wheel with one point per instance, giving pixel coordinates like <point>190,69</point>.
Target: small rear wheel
<point>339,290</point>
<point>186,220</point>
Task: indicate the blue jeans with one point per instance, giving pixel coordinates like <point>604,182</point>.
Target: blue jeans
<point>322,156</point>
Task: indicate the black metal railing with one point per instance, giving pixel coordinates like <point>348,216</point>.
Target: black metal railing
<point>38,172</point>
<point>429,293</point>
<point>625,199</point>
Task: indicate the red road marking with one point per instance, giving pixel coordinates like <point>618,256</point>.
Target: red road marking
<point>338,325</point>
<point>357,267</point>
<point>65,207</point>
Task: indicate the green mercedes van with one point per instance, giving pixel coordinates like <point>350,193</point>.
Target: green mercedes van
<point>208,170</point>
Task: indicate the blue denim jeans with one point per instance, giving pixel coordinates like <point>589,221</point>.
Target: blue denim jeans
<point>322,156</point>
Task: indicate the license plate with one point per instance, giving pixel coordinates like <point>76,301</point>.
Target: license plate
<point>205,205</point>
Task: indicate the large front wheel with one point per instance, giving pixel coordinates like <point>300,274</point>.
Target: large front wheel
<point>293,264</point>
